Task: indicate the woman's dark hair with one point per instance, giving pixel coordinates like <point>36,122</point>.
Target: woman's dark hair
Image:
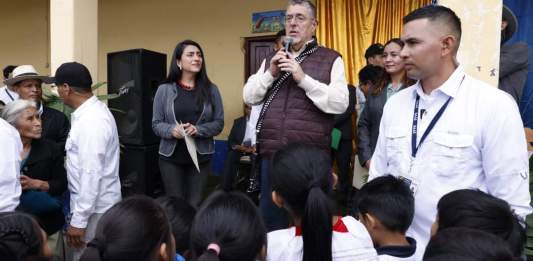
<point>301,175</point>
<point>133,229</point>
<point>478,210</point>
<point>202,81</point>
<point>382,83</point>
<point>180,215</point>
<point>460,244</point>
<point>232,222</point>
<point>20,237</point>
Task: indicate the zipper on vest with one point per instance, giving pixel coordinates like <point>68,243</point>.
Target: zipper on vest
<point>284,115</point>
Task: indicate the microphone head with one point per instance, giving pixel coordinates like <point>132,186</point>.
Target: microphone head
<point>288,41</point>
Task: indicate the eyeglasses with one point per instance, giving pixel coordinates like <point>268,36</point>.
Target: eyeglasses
<point>299,18</point>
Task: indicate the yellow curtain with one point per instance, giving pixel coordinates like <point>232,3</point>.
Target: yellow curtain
<point>350,26</point>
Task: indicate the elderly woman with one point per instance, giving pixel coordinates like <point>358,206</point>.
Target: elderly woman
<point>43,177</point>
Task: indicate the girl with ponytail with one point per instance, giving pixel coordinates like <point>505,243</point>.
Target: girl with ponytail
<point>227,227</point>
<point>302,183</point>
<point>135,229</point>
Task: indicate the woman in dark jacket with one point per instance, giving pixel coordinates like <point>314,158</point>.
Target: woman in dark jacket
<point>43,177</point>
<point>383,84</point>
<point>188,104</point>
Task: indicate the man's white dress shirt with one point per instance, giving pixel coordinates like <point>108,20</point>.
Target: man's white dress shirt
<point>10,152</point>
<point>92,161</point>
<point>7,95</point>
<point>478,143</point>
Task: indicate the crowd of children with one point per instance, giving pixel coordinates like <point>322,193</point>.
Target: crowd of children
<point>470,225</point>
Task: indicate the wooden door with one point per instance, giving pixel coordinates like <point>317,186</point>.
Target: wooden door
<point>256,50</point>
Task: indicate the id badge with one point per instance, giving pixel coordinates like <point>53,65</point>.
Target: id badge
<point>409,182</point>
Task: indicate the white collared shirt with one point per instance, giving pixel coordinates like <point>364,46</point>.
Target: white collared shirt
<point>10,152</point>
<point>92,161</point>
<point>478,143</point>
<point>332,98</point>
<point>251,123</point>
<point>7,95</point>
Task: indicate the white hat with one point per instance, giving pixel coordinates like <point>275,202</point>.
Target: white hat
<point>25,72</point>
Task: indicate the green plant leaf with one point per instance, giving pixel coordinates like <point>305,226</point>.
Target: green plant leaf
<point>117,110</point>
<point>98,85</point>
<point>110,96</point>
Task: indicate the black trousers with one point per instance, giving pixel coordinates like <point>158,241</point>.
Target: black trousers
<point>183,180</point>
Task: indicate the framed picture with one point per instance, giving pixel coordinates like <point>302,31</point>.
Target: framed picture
<point>268,22</point>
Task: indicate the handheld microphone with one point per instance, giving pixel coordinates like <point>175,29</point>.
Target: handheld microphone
<point>288,42</point>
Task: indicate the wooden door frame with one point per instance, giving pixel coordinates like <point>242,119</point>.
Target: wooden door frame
<point>247,42</point>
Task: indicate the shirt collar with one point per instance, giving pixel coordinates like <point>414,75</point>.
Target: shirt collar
<point>449,87</point>
<point>83,107</point>
<point>399,251</point>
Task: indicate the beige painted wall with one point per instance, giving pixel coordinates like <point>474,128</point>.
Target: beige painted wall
<point>218,25</point>
<point>479,60</point>
<point>24,34</point>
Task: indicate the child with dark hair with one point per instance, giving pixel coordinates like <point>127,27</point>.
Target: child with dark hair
<point>21,238</point>
<point>136,228</point>
<point>302,184</point>
<point>386,208</point>
<point>227,227</point>
<point>180,215</point>
<point>478,210</point>
<point>465,244</point>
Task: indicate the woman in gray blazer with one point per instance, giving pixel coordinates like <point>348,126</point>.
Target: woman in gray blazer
<point>190,101</point>
<point>383,83</point>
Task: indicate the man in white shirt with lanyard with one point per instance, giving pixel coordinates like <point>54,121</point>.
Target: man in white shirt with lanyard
<point>92,156</point>
<point>449,131</point>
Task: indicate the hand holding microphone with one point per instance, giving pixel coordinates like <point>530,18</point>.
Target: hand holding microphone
<point>282,53</point>
<point>289,64</point>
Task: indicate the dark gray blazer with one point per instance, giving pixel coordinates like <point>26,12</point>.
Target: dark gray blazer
<point>210,122</point>
<point>368,126</point>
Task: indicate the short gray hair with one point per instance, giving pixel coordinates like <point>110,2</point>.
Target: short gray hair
<point>307,3</point>
<point>12,110</point>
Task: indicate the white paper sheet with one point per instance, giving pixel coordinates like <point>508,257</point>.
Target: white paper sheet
<point>191,145</point>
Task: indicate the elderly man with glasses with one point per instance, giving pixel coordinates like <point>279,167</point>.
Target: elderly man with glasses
<point>301,86</point>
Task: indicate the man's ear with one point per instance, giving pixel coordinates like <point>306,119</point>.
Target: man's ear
<point>449,43</point>
<point>277,199</point>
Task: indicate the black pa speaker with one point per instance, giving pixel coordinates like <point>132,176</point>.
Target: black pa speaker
<point>139,170</point>
<point>135,75</point>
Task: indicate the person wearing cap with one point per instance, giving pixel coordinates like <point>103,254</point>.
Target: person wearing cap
<point>374,54</point>
<point>27,83</point>
<point>514,58</point>
<point>92,156</point>
<point>7,94</point>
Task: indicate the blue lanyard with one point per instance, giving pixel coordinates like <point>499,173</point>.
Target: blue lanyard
<point>414,132</point>
<point>9,94</point>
